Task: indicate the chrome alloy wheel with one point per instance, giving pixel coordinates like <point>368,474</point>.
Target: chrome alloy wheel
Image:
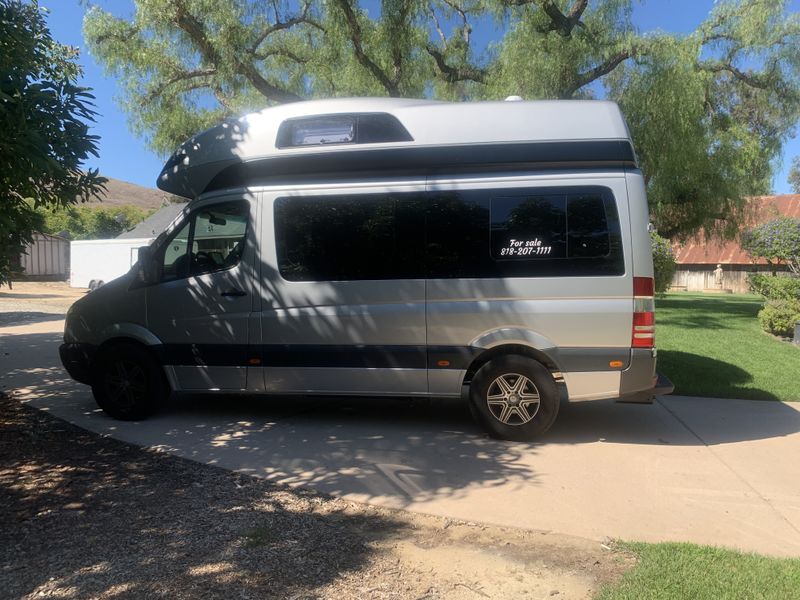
<point>513,399</point>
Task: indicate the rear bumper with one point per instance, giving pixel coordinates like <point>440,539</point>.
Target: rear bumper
<point>640,382</point>
<point>661,387</point>
<point>77,360</point>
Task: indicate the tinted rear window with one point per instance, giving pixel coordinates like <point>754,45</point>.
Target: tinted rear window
<point>466,234</point>
<point>348,238</point>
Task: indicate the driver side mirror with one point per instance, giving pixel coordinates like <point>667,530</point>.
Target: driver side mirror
<point>148,270</point>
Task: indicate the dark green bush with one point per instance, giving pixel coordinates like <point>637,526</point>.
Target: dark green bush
<point>774,288</point>
<point>778,317</point>
<point>663,262</point>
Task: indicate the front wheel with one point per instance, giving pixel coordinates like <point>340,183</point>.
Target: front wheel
<point>514,398</point>
<point>128,383</point>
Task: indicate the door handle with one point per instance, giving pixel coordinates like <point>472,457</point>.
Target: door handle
<point>233,293</point>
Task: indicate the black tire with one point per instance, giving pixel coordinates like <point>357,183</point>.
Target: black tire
<point>509,414</point>
<point>128,383</point>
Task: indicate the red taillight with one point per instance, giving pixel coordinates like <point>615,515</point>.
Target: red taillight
<point>644,286</point>
<point>643,334</point>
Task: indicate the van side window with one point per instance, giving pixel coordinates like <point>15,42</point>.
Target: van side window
<point>553,226</point>
<point>212,240</point>
<point>538,232</point>
<point>173,263</point>
<point>589,232</point>
<point>529,227</point>
<point>347,238</point>
<point>457,232</point>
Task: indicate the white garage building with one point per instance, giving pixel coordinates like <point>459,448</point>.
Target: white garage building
<point>96,262</point>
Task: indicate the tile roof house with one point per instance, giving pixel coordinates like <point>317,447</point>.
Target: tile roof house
<point>697,259</point>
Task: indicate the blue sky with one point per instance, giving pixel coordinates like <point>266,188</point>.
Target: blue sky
<point>124,156</point>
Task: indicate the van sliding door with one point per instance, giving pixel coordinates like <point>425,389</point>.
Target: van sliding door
<point>343,299</point>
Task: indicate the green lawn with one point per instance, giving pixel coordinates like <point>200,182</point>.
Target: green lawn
<point>686,571</point>
<point>712,345</point>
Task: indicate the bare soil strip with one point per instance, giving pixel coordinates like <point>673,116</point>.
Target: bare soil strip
<point>83,516</point>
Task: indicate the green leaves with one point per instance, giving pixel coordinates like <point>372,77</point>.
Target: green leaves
<point>91,222</point>
<point>663,262</point>
<point>794,175</point>
<point>775,241</point>
<point>44,118</point>
<point>709,112</point>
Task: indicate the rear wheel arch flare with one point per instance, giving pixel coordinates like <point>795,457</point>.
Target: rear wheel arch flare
<point>505,350</point>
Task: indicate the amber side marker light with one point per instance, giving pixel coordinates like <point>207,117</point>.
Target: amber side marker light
<point>616,364</point>
<point>254,361</point>
<point>443,363</point>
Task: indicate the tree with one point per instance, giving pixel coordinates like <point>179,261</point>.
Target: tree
<point>777,241</point>
<point>43,117</point>
<point>794,175</point>
<point>709,112</point>
<point>92,222</point>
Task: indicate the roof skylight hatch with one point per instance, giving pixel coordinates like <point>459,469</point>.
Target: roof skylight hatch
<point>323,130</point>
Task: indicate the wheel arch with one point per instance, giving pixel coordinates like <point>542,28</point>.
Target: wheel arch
<point>506,350</point>
<point>122,340</point>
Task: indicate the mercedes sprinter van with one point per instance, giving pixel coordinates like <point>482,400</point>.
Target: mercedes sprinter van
<point>497,251</point>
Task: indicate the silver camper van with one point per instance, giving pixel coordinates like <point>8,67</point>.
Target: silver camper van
<point>497,251</point>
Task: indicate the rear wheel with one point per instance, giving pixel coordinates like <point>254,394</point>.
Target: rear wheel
<point>514,398</point>
<point>128,383</point>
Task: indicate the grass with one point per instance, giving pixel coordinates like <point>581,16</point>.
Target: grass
<point>713,346</point>
<point>681,571</point>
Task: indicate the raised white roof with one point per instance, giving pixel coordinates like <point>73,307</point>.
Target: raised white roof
<point>430,124</point>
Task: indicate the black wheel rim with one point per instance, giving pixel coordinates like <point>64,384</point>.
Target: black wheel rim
<point>126,384</point>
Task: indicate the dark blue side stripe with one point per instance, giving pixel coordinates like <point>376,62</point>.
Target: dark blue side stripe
<point>368,356</point>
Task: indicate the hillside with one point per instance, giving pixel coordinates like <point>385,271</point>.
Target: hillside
<point>120,192</point>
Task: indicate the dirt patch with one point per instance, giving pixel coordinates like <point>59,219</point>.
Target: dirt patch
<point>82,516</point>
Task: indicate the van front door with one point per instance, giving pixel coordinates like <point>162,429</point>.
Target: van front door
<point>201,305</point>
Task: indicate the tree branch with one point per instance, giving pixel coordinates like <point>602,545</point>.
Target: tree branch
<point>182,76</point>
<point>455,74</point>
<point>563,24</point>
<point>437,26</point>
<point>281,52</point>
<point>467,27</point>
<point>397,50</point>
<point>196,32</point>
<point>599,71</point>
<point>361,56</point>
<point>288,24</point>
<point>751,79</point>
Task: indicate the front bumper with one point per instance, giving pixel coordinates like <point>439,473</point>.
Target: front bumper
<point>640,382</point>
<point>77,360</point>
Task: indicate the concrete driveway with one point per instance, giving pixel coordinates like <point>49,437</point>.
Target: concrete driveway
<point>710,471</point>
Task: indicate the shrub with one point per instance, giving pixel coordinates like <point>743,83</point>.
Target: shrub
<point>756,283</point>
<point>778,317</point>
<point>663,262</point>
<point>774,288</point>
